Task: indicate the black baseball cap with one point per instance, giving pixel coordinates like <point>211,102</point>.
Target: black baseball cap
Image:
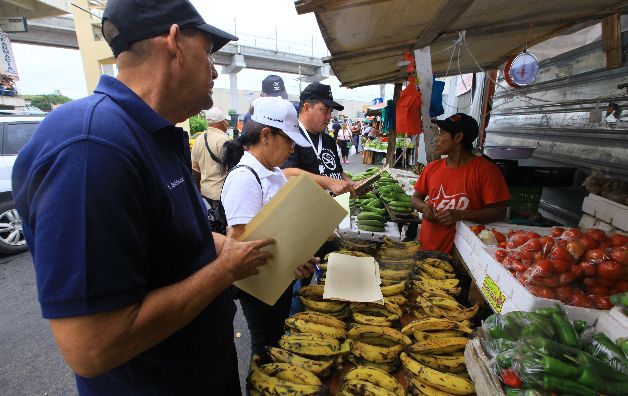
<point>461,122</point>
<point>138,20</point>
<point>321,92</point>
<point>273,86</point>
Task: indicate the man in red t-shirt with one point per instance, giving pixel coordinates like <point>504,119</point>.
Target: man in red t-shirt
<point>459,187</point>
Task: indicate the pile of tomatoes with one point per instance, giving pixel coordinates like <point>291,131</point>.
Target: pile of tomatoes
<point>580,268</point>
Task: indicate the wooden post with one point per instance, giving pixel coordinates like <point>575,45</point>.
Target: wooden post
<point>611,36</point>
<point>392,134</point>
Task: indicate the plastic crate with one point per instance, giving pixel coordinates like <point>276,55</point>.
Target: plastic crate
<point>525,198</point>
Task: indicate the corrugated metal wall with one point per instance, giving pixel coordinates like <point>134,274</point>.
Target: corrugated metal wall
<point>564,114</point>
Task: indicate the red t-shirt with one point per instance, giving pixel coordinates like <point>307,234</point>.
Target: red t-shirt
<point>472,187</point>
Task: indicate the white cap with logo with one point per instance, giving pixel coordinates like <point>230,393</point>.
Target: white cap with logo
<point>279,113</point>
<point>215,115</point>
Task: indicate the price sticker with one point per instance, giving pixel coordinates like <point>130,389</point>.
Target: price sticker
<point>493,294</point>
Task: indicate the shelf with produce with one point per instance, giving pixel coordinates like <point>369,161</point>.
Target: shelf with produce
<point>534,269</point>
<point>412,343</point>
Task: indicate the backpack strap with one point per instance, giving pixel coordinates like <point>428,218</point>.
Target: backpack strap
<point>214,157</point>
<point>251,169</point>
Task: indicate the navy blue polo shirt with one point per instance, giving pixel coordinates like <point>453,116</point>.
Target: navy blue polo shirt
<point>110,212</point>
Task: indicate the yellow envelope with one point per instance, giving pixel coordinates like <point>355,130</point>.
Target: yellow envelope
<point>300,217</point>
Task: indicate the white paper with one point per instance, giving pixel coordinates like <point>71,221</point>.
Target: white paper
<point>352,279</point>
<point>343,200</point>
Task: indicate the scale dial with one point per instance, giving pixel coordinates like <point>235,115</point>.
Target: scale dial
<point>521,70</point>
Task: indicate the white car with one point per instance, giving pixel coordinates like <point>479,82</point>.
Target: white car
<point>15,132</point>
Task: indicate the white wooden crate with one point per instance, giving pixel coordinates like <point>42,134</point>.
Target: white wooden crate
<point>607,211</point>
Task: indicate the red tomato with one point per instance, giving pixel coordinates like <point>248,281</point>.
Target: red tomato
<point>543,268</point>
<point>532,245</point>
<point>589,282</point>
<point>596,234</point>
<point>576,249</point>
<point>538,256</point>
<point>551,281</point>
<point>559,253</point>
<point>588,242</point>
<point>601,302</point>
<point>566,278</point>
<point>621,286</point>
<point>502,245</point>
<point>562,243</point>
<point>610,269</point>
<point>605,282</point>
<point>619,239</point>
<point>518,239</point>
<point>557,232</point>
<point>540,291</point>
<point>576,271</point>
<point>510,378</point>
<point>517,266</point>
<point>477,229</point>
<point>605,244</point>
<point>511,245</point>
<point>523,256</point>
<point>563,293</point>
<point>547,243</point>
<point>499,236</point>
<point>588,268</point>
<point>598,290</point>
<point>561,266</point>
<point>580,300</point>
<point>596,255</point>
<point>620,254</point>
<point>500,255</point>
<point>572,234</point>
<point>532,235</point>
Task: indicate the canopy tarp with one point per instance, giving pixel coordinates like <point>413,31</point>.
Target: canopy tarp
<point>367,39</point>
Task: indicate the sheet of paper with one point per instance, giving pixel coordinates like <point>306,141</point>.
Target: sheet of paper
<point>300,217</point>
<point>352,278</point>
<point>343,200</point>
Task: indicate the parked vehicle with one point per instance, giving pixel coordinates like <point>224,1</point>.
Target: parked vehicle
<point>15,132</point>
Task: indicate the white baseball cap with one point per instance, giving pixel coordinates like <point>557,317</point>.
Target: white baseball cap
<point>216,114</point>
<point>279,113</point>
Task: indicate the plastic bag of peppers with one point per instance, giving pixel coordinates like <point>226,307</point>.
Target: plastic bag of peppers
<point>542,353</point>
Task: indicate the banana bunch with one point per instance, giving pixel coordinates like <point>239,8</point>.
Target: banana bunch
<point>398,299</point>
<point>282,379</point>
<point>425,283</point>
<point>449,363</point>
<point>377,346</point>
<point>321,368</point>
<point>436,262</point>
<point>435,324</point>
<point>427,381</point>
<point>358,245</point>
<point>312,299</point>
<point>394,275</point>
<point>435,272</point>
<point>371,221</point>
<point>441,307</point>
<point>400,250</point>
<point>311,345</point>
<point>394,289</point>
<point>439,345</point>
<point>373,314</point>
<point>315,322</point>
<point>407,264</point>
<point>364,380</point>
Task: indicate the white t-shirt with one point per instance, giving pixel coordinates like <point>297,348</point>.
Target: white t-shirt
<point>242,196</point>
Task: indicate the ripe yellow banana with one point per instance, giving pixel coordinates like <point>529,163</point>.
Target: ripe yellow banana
<point>438,293</point>
<point>375,353</point>
<point>421,286</point>
<point>438,263</point>
<point>420,335</point>
<point>376,376</point>
<point>320,318</point>
<point>457,315</point>
<point>364,319</point>
<point>321,368</point>
<point>387,367</point>
<point>394,275</point>
<point>444,381</point>
<point>393,289</point>
<point>397,299</point>
<point>398,265</point>
<point>447,303</point>
<point>303,326</point>
<point>435,273</point>
<point>310,345</point>
<point>439,345</point>
<point>448,363</point>
<point>290,373</point>
<point>326,306</point>
<point>362,331</point>
<point>423,389</point>
<point>311,291</point>
<point>434,324</point>
<point>358,387</point>
<point>269,385</point>
<point>444,284</point>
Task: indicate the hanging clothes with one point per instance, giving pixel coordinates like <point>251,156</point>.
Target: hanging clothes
<point>436,105</point>
<point>389,116</point>
<point>409,110</point>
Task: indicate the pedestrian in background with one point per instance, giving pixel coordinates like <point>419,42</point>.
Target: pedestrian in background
<point>138,295</point>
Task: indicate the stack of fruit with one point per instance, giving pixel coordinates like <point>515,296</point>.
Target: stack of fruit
<point>376,346</point>
<point>364,175</point>
<point>372,314</point>
<point>426,381</point>
<point>393,194</point>
<point>578,268</point>
<point>364,380</point>
<point>312,299</point>
<point>372,216</point>
<point>282,379</point>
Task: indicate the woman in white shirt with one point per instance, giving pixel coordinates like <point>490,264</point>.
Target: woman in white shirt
<point>254,178</point>
<point>344,142</point>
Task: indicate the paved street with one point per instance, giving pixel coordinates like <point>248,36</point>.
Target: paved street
<point>30,363</point>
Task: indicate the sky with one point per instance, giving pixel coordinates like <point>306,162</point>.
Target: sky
<point>44,69</point>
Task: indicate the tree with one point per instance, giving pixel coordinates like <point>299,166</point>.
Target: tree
<point>198,123</point>
<point>45,102</point>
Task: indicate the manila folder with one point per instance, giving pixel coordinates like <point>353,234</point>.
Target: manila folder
<point>300,218</point>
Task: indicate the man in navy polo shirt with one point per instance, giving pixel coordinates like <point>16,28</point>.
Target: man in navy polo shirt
<point>135,286</point>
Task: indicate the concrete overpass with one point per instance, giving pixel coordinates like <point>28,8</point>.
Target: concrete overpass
<point>61,32</point>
